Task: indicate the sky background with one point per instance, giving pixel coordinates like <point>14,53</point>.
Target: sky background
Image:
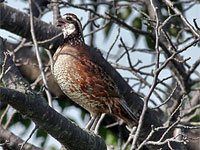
<point>103,44</point>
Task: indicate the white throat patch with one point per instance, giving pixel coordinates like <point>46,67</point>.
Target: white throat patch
<point>68,29</point>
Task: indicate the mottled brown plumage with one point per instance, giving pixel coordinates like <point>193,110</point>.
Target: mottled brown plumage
<point>81,78</point>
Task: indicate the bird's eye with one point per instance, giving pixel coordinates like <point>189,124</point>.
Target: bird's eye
<point>69,18</point>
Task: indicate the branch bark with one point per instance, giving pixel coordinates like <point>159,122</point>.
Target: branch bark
<point>13,142</point>
<point>51,121</point>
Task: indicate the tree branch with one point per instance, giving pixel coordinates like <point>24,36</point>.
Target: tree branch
<point>19,23</point>
<point>13,142</point>
<point>51,121</point>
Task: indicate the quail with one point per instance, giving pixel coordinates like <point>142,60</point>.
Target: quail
<point>82,79</point>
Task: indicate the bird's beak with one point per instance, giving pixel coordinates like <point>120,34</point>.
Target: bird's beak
<point>60,22</point>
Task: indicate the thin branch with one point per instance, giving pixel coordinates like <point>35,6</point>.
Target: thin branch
<point>12,141</point>
<point>107,55</point>
<point>10,119</point>
<point>129,138</point>
<point>169,97</point>
<point>187,124</point>
<point>191,110</point>
<point>156,73</point>
<point>170,4</point>
<point>25,142</point>
<point>176,110</point>
<point>38,57</point>
<point>56,13</point>
<point>196,25</point>
<point>4,114</point>
<point>99,29</point>
<point>193,67</point>
<point>3,71</point>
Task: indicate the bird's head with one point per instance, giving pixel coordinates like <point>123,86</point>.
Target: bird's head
<point>71,25</point>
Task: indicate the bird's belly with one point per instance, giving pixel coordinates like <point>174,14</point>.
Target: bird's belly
<point>61,71</point>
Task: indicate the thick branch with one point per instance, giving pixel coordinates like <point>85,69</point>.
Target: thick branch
<point>51,121</point>
<point>19,23</point>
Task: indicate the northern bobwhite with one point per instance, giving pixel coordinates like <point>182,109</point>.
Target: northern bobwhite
<point>81,78</point>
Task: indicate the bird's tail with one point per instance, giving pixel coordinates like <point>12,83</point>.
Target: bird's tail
<point>126,114</point>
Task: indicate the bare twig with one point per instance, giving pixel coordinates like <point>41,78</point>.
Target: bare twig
<point>10,119</point>
<point>39,58</point>
<point>113,43</point>
<point>176,110</point>
<point>129,138</point>
<point>99,29</point>
<point>193,67</point>
<point>156,73</point>
<point>196,25</point>
<point>25,142</point>
<point>3,72</point>
<point>169,97</point>
<point>56,12</point>
<point>4,113</point>
<point>191,110</point>
<point>170,4</point>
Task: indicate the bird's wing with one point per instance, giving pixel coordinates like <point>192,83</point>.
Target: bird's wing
<point>94,79</point>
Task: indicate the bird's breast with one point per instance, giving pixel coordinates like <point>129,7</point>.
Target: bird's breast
<point>73,79</point>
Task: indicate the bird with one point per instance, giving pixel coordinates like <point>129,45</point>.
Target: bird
<point>82,79</point>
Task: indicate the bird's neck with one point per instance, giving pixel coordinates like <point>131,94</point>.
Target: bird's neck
<point>73,40</point>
